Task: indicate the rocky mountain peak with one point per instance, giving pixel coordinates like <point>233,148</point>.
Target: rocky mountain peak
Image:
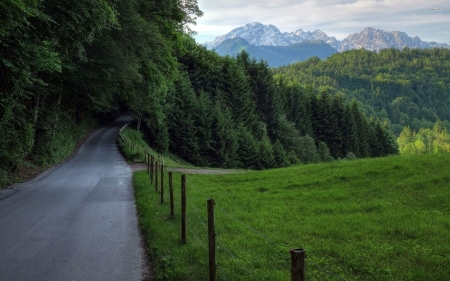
<point>370,38</point>
<point>376,39</point>
<point>258,34</point>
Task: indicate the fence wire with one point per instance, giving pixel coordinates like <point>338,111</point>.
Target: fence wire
<point>325,270</point>
<point>226,249</point>
<point>199,240</point>
<point>197,213</point>
<point>197,189</point>
<point>223,274</point>
<point>234,257</point>
<point>265,237</point>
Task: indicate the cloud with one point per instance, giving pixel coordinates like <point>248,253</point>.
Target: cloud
<point>336,18</point>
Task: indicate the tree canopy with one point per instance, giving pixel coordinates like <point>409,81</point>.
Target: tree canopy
<point>65,65</point>
<point>64,62</point>
<point>406,87</point>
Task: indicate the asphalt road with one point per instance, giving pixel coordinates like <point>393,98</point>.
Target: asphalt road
<point>75,222</point>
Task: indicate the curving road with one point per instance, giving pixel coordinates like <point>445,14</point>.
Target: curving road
<point>75,222</point>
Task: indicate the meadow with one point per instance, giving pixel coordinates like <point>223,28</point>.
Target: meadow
<point>364,219</point>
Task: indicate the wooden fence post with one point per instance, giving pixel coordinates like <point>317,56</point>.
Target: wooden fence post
<point>162,184</point>
<point>156,176</point>
<point>297,264</point>
<point>172,205</point>
<point>152,163</point>
<point>183,209</point>
<point>212,241</point>
<point>147,161</point>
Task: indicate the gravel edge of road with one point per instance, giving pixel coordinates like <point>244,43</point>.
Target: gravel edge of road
<point>203,171</point>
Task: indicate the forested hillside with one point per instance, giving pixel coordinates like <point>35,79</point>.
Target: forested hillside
<point>230,112</point>
<point>409,87</point>
<point>66,65</point>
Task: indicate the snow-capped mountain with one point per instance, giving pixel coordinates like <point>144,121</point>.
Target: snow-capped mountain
<point>316,35</point>
<point>258,34</point>
<point>376,39</point>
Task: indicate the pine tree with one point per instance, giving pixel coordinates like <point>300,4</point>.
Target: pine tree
<point>337,127</point>
<point>203,117</point>
<point>224,137</point>
<point>376,137</point>
<point>237,93</point>
<point>268,100</point>
<point>181,122</point>
<point>306,127</point>
<point>266,157</point>
<point>324,152</point>
<point>307,150</point>
<point>362,128</point>
<point>248,149</point>
<point>279,154</point>
<point>350,133</point>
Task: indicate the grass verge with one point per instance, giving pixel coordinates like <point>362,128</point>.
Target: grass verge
<point>134,148</point>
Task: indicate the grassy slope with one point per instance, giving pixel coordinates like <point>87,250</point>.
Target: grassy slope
<point>132,154</point>
<point>370,219</point>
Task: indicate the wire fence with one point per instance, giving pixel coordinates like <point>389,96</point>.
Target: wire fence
<point>239,261</point>
<point>230,265</point>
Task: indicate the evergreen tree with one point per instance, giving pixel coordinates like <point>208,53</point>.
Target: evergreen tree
<point>307,150</point>
<point>268,100</point>
<point>279,154</point>
<point>224,137</point>
<point>324,152</point>
<point>350,133</point>
<point>237,93</point>
<point>375,134</point>
<point>248,150</point>
<point>363,135</point>
<point>306,127</point>
<point>203,116</point>
<point>181,122</point>
<point>337,127</point>
<point>266,158</point>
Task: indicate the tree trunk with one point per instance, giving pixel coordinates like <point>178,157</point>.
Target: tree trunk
<point>36,111</point>
<point>139,120</point>
<point>35,117</point>
<point>58,107</point>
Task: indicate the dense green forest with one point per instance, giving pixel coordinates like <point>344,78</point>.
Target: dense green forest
<point>67,66</point>
<point>230,112</point>
<point>406,88</point>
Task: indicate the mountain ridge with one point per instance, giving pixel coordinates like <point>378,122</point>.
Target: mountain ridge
<point>370,38</point>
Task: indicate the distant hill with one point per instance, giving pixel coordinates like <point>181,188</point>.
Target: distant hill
<point>276,55</point>
<point>409,87</point>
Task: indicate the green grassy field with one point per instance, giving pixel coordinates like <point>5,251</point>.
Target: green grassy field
<point>369,219</point>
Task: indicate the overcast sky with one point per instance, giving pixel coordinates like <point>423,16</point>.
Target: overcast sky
<point>428,19</point>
